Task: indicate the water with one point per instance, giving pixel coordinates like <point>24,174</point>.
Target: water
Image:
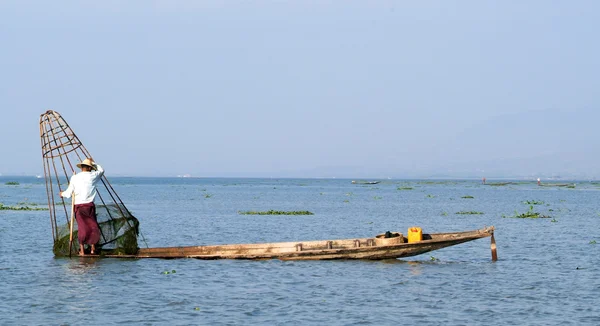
<point>547,272</point>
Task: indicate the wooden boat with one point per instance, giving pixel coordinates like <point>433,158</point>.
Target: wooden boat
<point>119,229</point>
<point>366,182</point>
<point>365,248</point>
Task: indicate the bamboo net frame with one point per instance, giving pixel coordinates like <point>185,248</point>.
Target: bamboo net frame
<point>61,151</point>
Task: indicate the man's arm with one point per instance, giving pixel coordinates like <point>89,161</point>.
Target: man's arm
<point>67,193</point>
<point>99,170</point>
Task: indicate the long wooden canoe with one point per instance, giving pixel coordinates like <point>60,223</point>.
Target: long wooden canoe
<point>374,248</point>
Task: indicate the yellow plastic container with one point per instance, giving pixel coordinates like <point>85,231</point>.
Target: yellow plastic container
<point>415,234</point>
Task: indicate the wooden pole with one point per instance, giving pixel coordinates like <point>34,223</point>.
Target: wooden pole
<point>72,218</point>
<point>493,247</point>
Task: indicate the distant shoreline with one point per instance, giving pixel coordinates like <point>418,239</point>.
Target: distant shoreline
<point>489,180</point>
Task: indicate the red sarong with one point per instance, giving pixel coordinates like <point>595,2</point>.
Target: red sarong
<point>88,231</point>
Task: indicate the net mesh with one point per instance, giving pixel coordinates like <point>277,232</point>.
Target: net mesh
<point>118,228</point>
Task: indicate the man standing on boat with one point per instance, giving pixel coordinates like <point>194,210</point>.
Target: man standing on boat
<point>83,185</point>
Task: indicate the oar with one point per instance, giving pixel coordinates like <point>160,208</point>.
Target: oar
<point>72,217</point>
<point>493,247</point>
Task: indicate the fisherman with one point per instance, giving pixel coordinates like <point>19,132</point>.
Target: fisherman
<point>83,185</point>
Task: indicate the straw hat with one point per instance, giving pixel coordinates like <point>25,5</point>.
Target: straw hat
<point>87,162</point>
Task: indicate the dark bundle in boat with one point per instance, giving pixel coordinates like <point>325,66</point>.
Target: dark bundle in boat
<point>61,151</point>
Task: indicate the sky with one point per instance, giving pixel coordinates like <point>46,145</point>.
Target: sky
<point>369,89</point>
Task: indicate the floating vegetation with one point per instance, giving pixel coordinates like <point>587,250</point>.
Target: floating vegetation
<point>593,242</point>
<point>207,196</point>
<point>469,213</point>
<point>529,214</point>
<point>12,183</point>
<point>467,197</point>
<point>430,196</point>
<point>500,184</point>
<point>24,203</point>
<point>169,272</point>
<point>564,185</point>
<point>405,188</point>
<point>21,208</point>
<point>444,214</point>
<point>553,220</point>
<point>273,212</point>
<point>437,182</point>
<point>433,258</point>
<point>346,201</point>
<point>533,202</point>
<point>377,197</point>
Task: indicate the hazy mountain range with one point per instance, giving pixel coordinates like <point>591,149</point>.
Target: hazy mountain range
<point>545,143</point>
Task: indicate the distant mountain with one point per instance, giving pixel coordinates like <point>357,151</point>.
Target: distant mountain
<point>548,142</point>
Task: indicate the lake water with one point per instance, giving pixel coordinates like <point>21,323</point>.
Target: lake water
<point>547,273</point>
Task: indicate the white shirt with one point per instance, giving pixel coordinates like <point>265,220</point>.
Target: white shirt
<point>84,185</point>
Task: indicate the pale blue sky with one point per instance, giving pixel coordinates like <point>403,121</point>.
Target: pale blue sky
<point>306,88</point>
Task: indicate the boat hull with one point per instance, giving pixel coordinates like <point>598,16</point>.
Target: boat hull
<point>363,248</point>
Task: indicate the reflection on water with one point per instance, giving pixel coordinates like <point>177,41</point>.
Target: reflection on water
<point>415,268</point>
<point>81,265</point>
<point>547,272</point>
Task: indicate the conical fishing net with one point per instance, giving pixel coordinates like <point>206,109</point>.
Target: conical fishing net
<point>61,151</point>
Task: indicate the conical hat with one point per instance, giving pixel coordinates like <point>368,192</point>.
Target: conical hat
<point>87,162</point>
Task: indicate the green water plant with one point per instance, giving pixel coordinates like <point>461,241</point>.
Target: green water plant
<point>12,183</point>
<point>593,242</point>
<point>529,214</point>
<point>21,208</point>
<point>274,212</point>
<point>533,202</point>
<point>469,213</point>
<point>405,188</point>
<point>497,184</point>
<point>467,197</point>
